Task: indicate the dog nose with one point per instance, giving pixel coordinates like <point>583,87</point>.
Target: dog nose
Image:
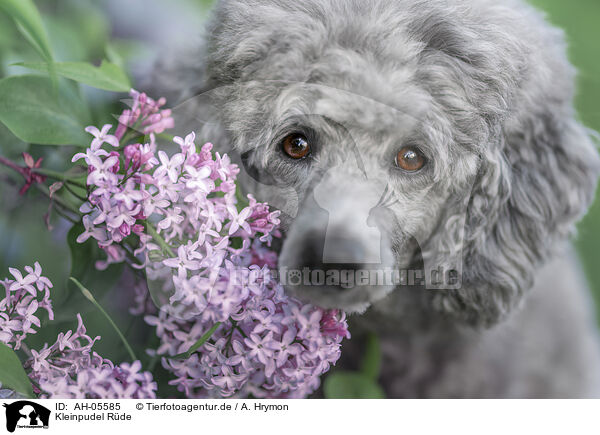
<point>312,256</point>
<point>334,255</point>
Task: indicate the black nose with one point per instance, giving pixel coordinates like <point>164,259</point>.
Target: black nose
<point>311,254</point>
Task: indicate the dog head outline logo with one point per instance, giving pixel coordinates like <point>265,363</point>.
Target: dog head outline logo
<point>24,413</point>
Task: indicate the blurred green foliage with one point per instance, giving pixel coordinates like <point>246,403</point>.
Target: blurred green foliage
<point>77,31</point>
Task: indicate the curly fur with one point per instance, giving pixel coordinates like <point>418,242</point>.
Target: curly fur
<point>487,89</point>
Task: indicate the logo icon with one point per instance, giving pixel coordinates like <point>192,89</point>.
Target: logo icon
<point>26,414</point>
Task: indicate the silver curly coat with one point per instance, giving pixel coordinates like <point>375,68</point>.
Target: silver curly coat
<point>486,91</point>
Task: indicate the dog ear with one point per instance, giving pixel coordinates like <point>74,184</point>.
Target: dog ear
<point>527,197</point>
<point>537,174</point>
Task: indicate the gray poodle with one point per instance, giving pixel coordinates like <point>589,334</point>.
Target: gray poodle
<point>417,136</point>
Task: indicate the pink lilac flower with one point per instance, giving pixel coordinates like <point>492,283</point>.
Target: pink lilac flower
<point>145,114</point>
<point>102,136</point>
<point>25,295</point>
<point>116,203</point>
<point>280,357</point>
<point>183,262</point>
<point>208,261</point>
<point>91,231</point>
<point>69,369</point>
<point>170,167</point>
<point>187,145</point>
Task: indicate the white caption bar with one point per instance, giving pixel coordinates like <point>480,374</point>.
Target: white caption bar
<point>369,417</point>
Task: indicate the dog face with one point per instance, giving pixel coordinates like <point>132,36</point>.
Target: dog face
<point>390,132</point>
<point>361,183</point>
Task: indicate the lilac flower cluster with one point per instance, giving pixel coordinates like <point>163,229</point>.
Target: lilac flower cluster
<point>274,348</point>
<point>145,115</point>
<point>24,297</point>
<point>69,369</point>
<point>115,205</point>
<point>208,262</point>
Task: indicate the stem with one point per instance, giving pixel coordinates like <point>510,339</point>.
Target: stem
<point>88,295</point>
<point>241,331</point>
<point>42,188</point>
<point>127,137</point>
<point>59,176</point>
<point>234,327</point>
<point>165,136</point>
<point>57,199</point>
<point>125,178</point>
<point>242,200</point>
<point>159,239</point>
<point>12,165</point>
<point>12,309</point>
<point>47,172</point>
<point>65,216</point>
<point>75,194</point>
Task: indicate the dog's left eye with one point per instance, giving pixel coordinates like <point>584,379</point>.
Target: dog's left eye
<point>296,146</point>
<point>410,159</point>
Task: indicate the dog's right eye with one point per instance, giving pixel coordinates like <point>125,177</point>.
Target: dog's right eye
<point>296,146</point>
<point>410,159</point>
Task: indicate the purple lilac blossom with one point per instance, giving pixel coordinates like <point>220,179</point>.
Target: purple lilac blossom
<point>210,261</point>
<point>24,296</point>
<point>68,368</point>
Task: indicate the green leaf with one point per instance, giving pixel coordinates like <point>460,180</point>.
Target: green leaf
<point>113,55</point>
<point>79,32</point>
<point>90,297</point>
<point>351,385</point>
<point>82,254</point>
<point>197,344</point>
<point>107,76</point>
<point>371,362</point>
<point>12,374</point>
<point>83,258</point>
<point>34,112</point>
<point>29,23</point>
